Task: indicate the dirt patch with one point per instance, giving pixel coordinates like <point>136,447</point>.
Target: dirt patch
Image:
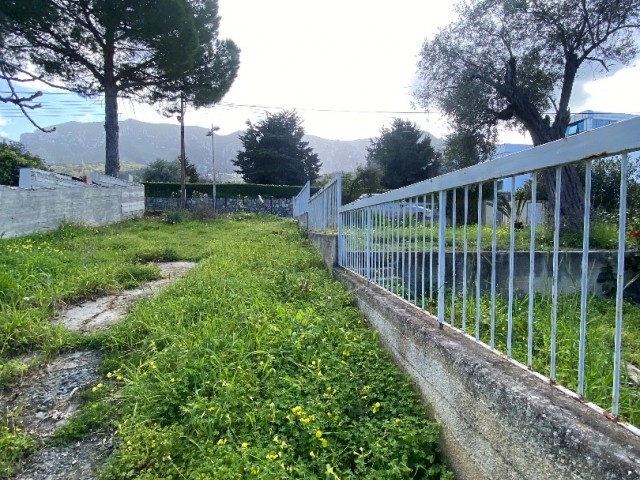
<point>68,462</point>
<point>100,314</point>
<point>44,400</point>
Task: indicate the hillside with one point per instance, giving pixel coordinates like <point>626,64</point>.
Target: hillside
<point>141,143</point>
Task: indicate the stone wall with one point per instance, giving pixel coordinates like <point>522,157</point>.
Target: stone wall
<point>282,207</point>
<point>45,200</point>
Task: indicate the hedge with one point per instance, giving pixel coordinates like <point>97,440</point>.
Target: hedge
<point>223,190</point>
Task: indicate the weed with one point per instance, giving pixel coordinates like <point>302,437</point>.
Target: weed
<point>255,364</point>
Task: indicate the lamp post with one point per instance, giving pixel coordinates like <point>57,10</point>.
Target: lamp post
<point>211,133</point>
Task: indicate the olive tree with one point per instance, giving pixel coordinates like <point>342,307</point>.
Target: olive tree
<point>512,61</point>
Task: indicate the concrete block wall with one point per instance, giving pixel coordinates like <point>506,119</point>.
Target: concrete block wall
<point>498,419</point>
<point>53,200</point>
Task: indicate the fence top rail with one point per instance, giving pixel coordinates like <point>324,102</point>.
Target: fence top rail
<point>621,137</point>
<point>307,187</point>
<point>333,181</point>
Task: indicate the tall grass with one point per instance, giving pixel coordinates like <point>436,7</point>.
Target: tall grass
<point>604,235</point>
<point>599,345</point>
<point>254,365</point>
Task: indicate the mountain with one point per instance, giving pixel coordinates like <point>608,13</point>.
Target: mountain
<point>142,143</point>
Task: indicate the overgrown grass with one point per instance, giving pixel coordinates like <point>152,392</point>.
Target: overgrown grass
<point>39,274</point>
<point>254,365</point>
<point>603,235</point>
<point>600,331</point>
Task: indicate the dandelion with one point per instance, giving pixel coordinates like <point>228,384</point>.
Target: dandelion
<point>376,407</point>
<point>318,433</point>
<point>324,443</point>
<point>222,441</point>
<point>244,445</point>
<point>272,456</point>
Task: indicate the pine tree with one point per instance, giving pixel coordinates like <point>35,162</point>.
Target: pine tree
<point>274,152</point>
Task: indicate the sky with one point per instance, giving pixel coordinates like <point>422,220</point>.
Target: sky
<point>347,66</point>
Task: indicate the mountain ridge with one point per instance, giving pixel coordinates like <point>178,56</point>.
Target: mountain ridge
<point>141,143</point>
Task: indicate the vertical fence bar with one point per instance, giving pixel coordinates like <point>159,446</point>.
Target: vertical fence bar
<point>532,265</point>
<point>359,247</point>
<point>583,281</point>
<point>512,241</point>
<point>340,241</point>
<point>442,238</point>
<point>554,285</point>
<point>431,258</point>
<point>346,231</point>
<point>494,229</point>
<point>389,247</point>
<point>409,243</point>
<point>340,218</point>
<point>401,213</point>
<point>415,262</point>
<point>362,257</point>
<point>464,258</point>
<point>398,253</point>
<point>374,248</point>
<point>424,245</point>
<point>622,230</point>
<point>380,244</point>
<point>478,261</point>
<point>453,257</point>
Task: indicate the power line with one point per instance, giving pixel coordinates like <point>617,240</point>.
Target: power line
<point>232,105</point>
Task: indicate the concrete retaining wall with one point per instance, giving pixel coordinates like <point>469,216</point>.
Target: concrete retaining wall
<point>569,269</point>
<point>498,419</point>
<point>53,199</point>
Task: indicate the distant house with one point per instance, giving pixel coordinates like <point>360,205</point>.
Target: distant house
<point>589,120</point>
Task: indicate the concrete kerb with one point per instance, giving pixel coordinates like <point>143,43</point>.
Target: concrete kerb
<point>498,420</point>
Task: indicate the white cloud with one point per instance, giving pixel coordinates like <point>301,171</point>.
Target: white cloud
<point>616,93</point>
<point>339,61</point>
<point>356,56</point>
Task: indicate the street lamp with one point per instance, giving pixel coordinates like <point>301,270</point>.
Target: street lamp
<point>210,133</point>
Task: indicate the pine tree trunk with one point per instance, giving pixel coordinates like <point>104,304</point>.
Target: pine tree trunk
<point>183,163</point>
<point>112,136</point>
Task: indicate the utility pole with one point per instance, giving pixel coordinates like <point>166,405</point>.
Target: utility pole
<point>211,133</point>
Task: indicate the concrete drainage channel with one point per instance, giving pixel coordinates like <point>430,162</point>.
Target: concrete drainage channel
<point>46,398</point>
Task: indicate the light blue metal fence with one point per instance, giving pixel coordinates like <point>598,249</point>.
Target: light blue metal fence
<point>324,206</point>
<point>417,243</point>
<point>301,200</point>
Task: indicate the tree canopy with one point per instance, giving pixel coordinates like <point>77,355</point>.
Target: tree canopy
<point>13,157</point>
<point>116,48</point>
<point>404,154</point>
<point>215,69</point>
<point>168,171</point>
<point>513,61</point>
<point>274,152</point>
